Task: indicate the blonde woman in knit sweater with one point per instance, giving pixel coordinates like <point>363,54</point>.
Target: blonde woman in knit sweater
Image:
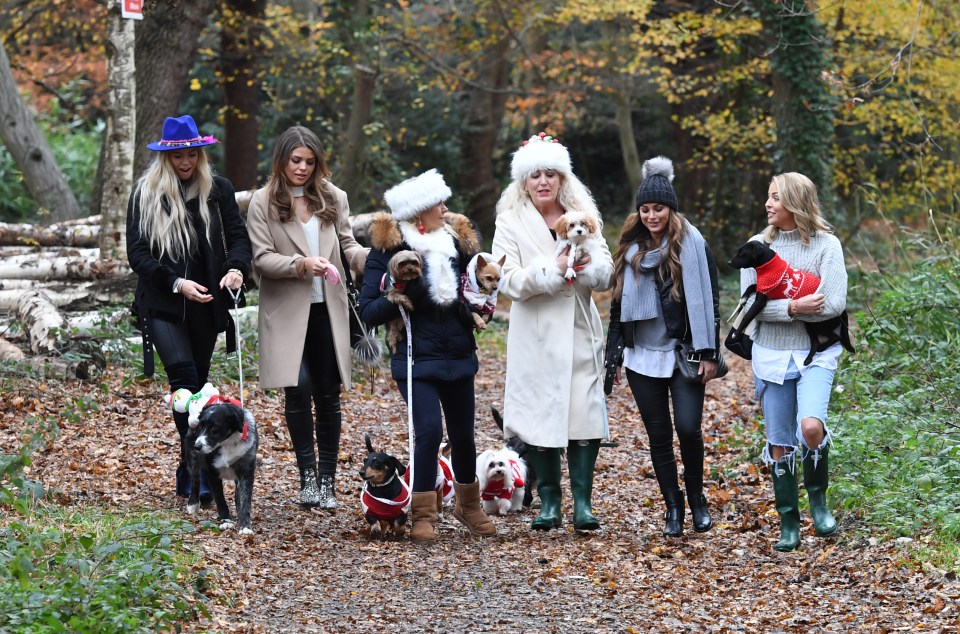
<point>795,396</point>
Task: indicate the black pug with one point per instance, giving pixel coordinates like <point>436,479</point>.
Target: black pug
<point>756,254</point>
<point>522,449</point>
<point>224,444</point>
<point>384,493</point>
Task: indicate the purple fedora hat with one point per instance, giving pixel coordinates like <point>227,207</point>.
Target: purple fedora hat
<point>180,133</point>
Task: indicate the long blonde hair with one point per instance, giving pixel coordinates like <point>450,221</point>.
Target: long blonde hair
<point>634,231</point>
<point>798,195</point>
<point>163,210</point>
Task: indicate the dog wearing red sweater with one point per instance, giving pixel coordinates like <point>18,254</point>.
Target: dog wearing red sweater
<point>776,279</point>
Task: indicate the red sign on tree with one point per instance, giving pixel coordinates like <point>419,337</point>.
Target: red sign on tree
<point>131,9</point>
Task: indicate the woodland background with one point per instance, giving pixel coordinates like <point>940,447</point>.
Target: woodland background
<point>863,96</point>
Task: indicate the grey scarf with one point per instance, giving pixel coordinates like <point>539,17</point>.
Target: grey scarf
<point>640,296</point>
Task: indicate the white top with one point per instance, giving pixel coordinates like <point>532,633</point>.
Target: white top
<point>772,365</point>
<point>311,230</point>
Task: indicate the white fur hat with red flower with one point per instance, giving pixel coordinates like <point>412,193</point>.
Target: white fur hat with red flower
<point>416,194</point>
<point>540,152</point>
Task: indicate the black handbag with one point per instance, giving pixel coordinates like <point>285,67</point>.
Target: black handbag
<point>688,362</point>
<point>738,341</point>
<point>363,340</point>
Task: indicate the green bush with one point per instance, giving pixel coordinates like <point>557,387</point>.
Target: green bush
<point>897,401</point>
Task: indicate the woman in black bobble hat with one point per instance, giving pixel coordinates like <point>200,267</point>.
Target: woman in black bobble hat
<point>665,291</point>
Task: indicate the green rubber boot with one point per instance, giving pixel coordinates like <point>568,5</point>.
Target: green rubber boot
<point>788,506</point>
<point>581,459</point>
<point>546,462</point>
<point>815,481</point>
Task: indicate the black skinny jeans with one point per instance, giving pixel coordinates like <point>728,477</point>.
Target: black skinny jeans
<point>319,382</point>
<point>456,398</point>
<point>653,397</point>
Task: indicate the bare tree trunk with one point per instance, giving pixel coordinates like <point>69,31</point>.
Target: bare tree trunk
<point>19,132</point>
<point>52,236</point>
<point>240,49</point>
<point>42,322</point>
<point>628,141</point>
<point>478,139</point>
<point>351,162</point>
<point>121,129</point>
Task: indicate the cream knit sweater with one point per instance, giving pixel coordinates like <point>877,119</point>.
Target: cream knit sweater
<point>773,327</point>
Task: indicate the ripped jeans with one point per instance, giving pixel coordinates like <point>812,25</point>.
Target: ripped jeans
<point>784,406</point>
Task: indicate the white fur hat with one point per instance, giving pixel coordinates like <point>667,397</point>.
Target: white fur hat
<point>541,151</point>
<point>416,194</point>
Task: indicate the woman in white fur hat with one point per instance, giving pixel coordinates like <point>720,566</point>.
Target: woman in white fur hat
<point>444,351</point>
<point>554,390</point>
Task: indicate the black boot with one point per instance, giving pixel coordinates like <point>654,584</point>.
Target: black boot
<point>329,422</point>
<point>674,514</point>
<point>815,481</point>
<point>702,522</point>
<point>300,426</point>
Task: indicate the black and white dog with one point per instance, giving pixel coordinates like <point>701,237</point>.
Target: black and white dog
<point>224,444</point>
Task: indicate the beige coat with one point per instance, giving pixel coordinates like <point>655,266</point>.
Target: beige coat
<point>285,296</point>
<point>554,386</point>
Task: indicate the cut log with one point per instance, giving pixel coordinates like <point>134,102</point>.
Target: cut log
<point>35,267</point>
<point>82,296</point>
<point>60,235</point>
<point>42,323</point>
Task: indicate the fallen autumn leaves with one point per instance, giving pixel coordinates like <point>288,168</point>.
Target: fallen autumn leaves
<point>316,571</point>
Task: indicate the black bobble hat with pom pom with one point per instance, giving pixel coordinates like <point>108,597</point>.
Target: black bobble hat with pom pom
<point>656,186</point>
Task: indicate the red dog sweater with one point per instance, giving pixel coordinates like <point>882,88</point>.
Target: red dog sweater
<point>382,509</point>
<point>503,489</point>
<point>778,280</point>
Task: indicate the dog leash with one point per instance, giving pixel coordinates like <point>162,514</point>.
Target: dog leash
<point>236,325</point>
<point>409,329</point>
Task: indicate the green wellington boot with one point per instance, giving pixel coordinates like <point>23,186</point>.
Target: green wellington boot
<point>546,462</point>
<point>815,481</point>
<point>581,459</point>
<point>788,506</point>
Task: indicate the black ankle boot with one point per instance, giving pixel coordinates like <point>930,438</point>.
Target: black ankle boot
<point>674,514</point>
<point>702,522</point>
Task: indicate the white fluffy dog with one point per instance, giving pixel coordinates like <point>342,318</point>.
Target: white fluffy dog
<point>576,229</point>
<point>501,474</point>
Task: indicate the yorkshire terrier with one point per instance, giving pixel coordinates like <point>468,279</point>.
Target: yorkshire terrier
<point>576,229</point>
<point>481,283</point>
<point>385,495</point>
<point>404,267</point>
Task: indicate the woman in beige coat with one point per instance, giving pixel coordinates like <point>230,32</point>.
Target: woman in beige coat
<point>554,388</point>
<point>299,226</point>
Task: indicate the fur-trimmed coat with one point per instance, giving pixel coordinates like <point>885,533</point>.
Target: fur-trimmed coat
<point>554,387</point>
<point>442,327</point>
<point>279,249</point>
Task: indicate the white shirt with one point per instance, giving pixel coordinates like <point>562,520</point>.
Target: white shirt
<point>311,229</point>
<point>772,365</point>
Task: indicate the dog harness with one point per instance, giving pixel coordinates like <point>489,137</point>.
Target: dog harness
<point>778,280</point>
<point>503,489</point>
<point>382,508</point>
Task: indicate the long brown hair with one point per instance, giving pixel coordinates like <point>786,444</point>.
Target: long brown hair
<point>318,191</point>
<point>634,231</point>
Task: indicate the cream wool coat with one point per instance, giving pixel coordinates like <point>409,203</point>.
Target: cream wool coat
<point>285,296</point>
<point>554,388</point>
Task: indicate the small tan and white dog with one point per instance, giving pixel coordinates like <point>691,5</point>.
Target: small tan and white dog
<point>502,474</point>
<point>480,285</point>
<point>576,230</point>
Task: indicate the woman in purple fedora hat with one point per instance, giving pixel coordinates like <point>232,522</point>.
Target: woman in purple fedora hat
<point>188,245</point>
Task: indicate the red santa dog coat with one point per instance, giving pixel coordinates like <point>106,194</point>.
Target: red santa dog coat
<point>444,483</point>
<point>383,509</point>
<point>503,489</point>
<point>778,280</point>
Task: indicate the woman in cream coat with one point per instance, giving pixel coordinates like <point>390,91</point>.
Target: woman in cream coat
<point>554,387</point>
<point>299,225</point>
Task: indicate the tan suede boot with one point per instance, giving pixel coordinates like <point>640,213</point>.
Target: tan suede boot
<point>424,513</point>
<point>467,510</point>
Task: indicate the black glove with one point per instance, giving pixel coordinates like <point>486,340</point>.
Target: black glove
<point>416,290</point>
<point>613,358</point>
